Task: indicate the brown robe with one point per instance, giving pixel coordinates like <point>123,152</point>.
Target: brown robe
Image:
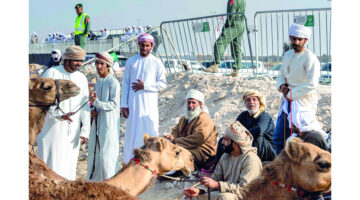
<point>199,136</point>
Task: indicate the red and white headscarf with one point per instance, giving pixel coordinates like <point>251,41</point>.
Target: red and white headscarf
<point>147,38</point>
<point>105,56</point>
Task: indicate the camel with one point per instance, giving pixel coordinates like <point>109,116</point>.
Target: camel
<point>300,171</point>
<point>156,157</point>
<point>43,94</point>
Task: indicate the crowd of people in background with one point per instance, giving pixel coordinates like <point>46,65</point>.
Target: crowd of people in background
<point>103,34</point>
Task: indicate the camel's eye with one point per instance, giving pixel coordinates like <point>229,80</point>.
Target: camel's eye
<point>45,86</point>
<point>177,152</point>
<point>324,164</point>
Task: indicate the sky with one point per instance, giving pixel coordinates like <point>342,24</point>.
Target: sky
<point>48,16</point>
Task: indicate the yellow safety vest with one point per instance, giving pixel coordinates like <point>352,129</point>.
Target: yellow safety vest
<point>80,24</point>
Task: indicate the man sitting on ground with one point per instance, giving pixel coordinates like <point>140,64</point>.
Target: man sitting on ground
<point>308,128</point>
<point>196,131</point>
<point>238,166</point>
<point>259,123</point>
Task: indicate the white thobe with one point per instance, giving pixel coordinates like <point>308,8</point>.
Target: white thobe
<point>143,104</point>
<point>107,104</point>
<point>302,72</point>
<point>59,141</point>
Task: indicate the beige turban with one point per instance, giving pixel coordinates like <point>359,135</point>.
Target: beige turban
<point>74,53</point>
<point>300,31</point>
<point>239,134</point>
<point>105,56</point>
<point>255,93</point>
<point>196,94</point>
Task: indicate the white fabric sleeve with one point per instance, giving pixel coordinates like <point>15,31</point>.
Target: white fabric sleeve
<point>160,83</point>
<point>125,87</point>
<point>85,111</point>
<point>114,98</point>
<point>312,67</point>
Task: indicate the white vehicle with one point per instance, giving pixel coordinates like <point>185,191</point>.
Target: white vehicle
<point>274,70</point>
<point>325,73</point>
<point>175,66</point>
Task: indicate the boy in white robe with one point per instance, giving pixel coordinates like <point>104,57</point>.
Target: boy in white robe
<point>144,77</point>
<point>104,137</point>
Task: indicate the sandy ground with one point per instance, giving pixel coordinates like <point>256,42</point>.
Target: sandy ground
<point>223,98</point>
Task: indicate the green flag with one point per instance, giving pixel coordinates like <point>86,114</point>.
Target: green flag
<point>114,56</point>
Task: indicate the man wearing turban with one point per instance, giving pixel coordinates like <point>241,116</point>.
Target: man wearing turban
<point>237,167</point>
<point>144,77</point>
<point>59,140</point>
<point>196,131</point>
<point>103,147</point>
<point>308,128</point>
<point>297,81</point>
<point>259,123</point>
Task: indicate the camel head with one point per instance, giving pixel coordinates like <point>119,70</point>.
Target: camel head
<point>302,165</point>
<point>42,94</point>
<point>167,155</point>
<point>43,90</point>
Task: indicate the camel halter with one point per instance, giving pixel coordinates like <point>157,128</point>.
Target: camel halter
<point>299,191</point>
<point>153,171</point>
<point>138,162</point>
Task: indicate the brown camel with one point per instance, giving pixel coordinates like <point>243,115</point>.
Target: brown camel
<point>42,94</point>
<point>300,171</point>
<point>157,156</point>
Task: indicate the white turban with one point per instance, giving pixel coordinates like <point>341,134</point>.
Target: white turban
<point>196,94</point>
<point>305,119</point>
<point>300,31</point>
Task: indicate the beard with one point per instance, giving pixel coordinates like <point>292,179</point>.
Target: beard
<point>144,53</point>
<point>193,114</point>
<point>252,112</point>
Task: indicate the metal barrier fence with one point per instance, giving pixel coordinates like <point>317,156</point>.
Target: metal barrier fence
<point>191,42</point>
<point>271,36</point>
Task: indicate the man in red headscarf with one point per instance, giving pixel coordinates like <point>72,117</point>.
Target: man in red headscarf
<point>144,77</point>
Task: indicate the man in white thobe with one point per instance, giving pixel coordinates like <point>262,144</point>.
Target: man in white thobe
<point>297,81</point>
<point>143,78</point>
<point>59,141</point>
<point>103,146</point>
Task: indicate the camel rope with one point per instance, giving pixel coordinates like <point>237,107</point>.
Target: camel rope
<point>182,194</point>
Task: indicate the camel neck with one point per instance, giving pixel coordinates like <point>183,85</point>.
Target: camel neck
<point>133,178</point>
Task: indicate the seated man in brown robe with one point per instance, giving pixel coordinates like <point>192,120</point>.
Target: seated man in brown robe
<point>196,131</point>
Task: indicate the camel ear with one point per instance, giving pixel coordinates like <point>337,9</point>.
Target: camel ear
<point>293,149</point>
<point>146,137</point>
<point>162,143</point>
